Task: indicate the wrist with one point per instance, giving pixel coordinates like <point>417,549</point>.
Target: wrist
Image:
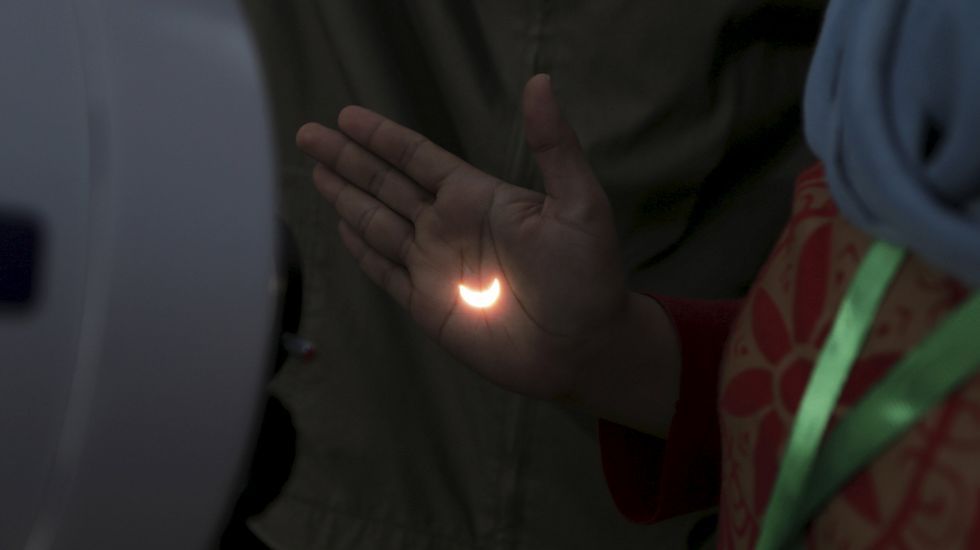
<point>633,378</point>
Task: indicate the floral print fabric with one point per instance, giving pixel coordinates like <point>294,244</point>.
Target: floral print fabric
<point>923,492</point>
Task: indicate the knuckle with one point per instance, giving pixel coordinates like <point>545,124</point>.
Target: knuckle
<point>410,151</point>
<point>342,152</point>
<point>377,130</point>
<point>377,180</point>
<point>366,219</point>
<point>406,248</point>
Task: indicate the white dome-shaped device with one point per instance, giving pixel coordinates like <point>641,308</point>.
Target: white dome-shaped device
<point>137,260</point>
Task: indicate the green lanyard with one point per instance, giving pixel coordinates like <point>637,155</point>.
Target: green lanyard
<point>810,474</point>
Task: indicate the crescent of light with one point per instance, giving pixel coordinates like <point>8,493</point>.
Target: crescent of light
<point>481,299</point>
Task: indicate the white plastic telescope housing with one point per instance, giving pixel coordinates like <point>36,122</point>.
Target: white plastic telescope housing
<point>137,255</point>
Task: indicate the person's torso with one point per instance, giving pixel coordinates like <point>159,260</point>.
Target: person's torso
<point>924,491</point>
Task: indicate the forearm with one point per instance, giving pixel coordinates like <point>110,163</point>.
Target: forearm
<point>637,382</point>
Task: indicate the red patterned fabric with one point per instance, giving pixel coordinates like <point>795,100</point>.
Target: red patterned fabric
<point>924,492</point>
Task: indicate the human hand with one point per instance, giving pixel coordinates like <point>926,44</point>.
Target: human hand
<point>420,222</point>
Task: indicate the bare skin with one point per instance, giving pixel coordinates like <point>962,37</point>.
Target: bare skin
<point>421,221</point>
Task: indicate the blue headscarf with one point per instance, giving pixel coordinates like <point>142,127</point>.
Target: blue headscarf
<point>892,107</point>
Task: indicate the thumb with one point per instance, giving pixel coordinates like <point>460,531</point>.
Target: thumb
<point>567,175</point>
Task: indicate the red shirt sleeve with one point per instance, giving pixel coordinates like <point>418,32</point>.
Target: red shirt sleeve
<point>651,479</point>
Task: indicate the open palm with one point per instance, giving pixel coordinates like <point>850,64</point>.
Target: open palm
<point>421,222</point>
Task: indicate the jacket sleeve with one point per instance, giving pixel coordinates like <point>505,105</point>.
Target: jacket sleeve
<point>651,479</point>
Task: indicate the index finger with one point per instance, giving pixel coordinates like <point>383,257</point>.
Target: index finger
<point>410,152</point>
